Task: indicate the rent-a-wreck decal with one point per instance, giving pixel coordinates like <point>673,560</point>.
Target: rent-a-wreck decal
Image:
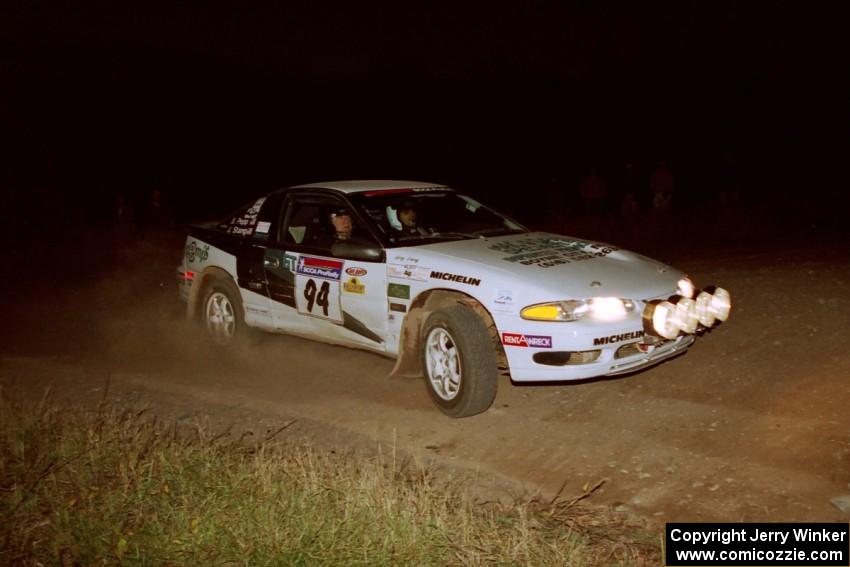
<point>520,340</point>
<point>547,252</point>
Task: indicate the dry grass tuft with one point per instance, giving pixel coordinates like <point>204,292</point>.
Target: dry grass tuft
<point>110,486</point>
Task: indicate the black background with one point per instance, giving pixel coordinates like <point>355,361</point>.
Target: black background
<point>216,104</point>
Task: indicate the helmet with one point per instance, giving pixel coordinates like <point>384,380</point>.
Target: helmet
<point>407,204</point>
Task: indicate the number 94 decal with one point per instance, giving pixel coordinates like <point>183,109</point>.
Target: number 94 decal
<point>318,298</point>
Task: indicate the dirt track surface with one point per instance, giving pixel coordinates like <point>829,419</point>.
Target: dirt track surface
<point>750,425</point>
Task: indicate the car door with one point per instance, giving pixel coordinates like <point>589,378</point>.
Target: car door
<point>250,230</point>
<point>314,293</point>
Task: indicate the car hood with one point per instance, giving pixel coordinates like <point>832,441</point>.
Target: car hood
<point>558,267</point>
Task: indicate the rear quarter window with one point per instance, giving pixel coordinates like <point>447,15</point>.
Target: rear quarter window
<point>255,220</point>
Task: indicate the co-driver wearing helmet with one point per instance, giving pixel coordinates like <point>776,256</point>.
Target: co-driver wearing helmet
<point>407,219</point>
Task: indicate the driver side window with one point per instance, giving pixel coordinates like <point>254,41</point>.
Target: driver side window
<point>318,222</point>
<point>303,224</point>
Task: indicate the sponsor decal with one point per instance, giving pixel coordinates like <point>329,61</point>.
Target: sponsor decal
<point>405,260</point>
<point>398,307</point>
<point>609,340</point>
<point>408,272</point>
<point>504,297</point>
<point>238,231</point>
<point>546,252</point>
<point>356,271</point>
<point>244,224</point>
<point>195,250</point>
<point>400,291</point>
<point>520,340</point>
<point>289,262</point>
<point>263,227</point>
<point>255,208</point>
<point>353,285</point>
<point>319,267</point>
<point>455,278</point>
<point>253,309</point>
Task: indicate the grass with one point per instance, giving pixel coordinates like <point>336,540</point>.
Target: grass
<point>121,487</point>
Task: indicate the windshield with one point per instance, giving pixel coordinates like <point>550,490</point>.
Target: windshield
<point>411,218</point>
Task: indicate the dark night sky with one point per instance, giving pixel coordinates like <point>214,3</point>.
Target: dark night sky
<point>221,103</point>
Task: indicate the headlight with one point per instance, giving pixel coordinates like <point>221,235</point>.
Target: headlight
<point>685,287</point>
<point>602,308</point>
<point>608,308</point>
<point>556,311</point>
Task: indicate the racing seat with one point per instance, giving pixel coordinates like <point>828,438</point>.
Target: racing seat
<point>302,224</point>
<point>306,227</point>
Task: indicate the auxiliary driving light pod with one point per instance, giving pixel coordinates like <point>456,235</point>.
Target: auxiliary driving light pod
<point>659,319</point>
<point>721,304</point>
<point>685,315</point>
<point>703,309</point>
<point>685,287</point>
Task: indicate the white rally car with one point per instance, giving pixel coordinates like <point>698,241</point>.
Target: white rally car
<point>454,291</point>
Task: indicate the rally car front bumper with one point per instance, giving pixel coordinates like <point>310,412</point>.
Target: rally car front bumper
<point>563,365</point>
<point>548,352</point>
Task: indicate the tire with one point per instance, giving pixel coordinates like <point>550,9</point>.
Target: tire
<point>222,314</point>
<point>459,361</point>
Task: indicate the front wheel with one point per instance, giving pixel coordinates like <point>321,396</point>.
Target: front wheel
<point>459,361</point>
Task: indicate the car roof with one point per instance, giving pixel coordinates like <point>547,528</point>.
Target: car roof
<point>359,186</point>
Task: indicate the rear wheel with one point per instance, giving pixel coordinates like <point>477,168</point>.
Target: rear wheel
<point>459,361</point>
<point>222,314</point>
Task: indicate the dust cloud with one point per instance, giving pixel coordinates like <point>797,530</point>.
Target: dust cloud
<point>750,424</point>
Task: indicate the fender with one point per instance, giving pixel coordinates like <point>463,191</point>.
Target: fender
<point>409,363</point>
<point>196,292</point>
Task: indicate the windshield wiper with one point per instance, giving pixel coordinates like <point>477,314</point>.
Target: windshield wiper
<point>454,234</point>
<point>481,233</point>
<point>500,231</point>
<point>437,235</point>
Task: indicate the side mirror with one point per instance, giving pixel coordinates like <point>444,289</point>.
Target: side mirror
<point>358,249</point>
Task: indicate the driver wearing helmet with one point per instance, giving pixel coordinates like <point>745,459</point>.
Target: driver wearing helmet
<point>339,227</point>
<point>342,224</point>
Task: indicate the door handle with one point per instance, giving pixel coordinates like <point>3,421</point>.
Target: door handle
<point>272,262</point>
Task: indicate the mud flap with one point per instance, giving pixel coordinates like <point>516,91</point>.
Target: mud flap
<point>409,361</point>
